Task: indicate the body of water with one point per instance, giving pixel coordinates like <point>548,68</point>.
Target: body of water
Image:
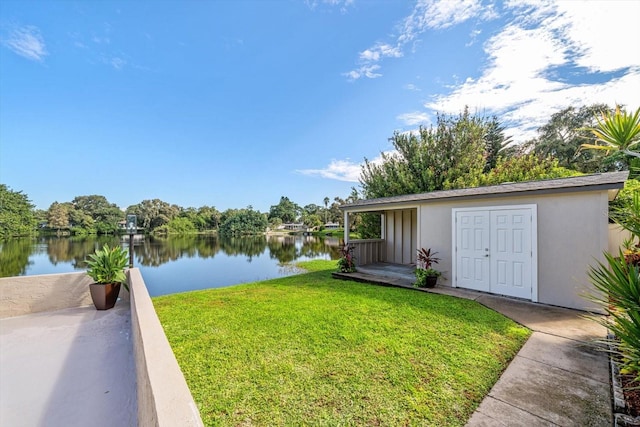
<point>174,263</point>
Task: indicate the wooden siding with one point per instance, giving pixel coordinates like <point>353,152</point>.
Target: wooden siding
<point>368,251</point>
<point>401,236</point>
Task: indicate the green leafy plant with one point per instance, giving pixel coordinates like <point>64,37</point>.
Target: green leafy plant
<point>107,265</point>
<point>618,131</point>
<point>424,269</point>
<point>426,259</point>
<point>422,275</point>
<point>618,286</point>
<point>347,262</point>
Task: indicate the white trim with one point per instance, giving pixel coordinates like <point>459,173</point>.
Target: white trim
<point>534,241</point>
<point>454,249</point>
<point>534,252</point>
<point>347,226</point>
<point>418,228</point>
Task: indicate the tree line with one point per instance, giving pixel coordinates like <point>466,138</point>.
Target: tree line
<point>94,214</point>
<point>458,151</point>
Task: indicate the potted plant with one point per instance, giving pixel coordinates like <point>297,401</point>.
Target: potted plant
<point>347,262</point>
<point>106,268</point>
<point>426,275</point>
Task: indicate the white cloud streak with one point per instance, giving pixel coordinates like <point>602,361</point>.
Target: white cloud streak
<point>341,170</point>
<point>368,71</point>
<point>343,5</point>
<point>27,42</point>
<point>426,15</point>
<point>415,118</point>
<point>344,170</point>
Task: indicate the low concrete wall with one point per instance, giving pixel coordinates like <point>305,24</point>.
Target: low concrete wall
<point>164,400</point>
<point>163,396</point>
<point>49,292</point>
<point>617,236</point>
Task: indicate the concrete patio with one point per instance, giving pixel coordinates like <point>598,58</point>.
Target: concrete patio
<point>70,367</point>
<point>64,363</point>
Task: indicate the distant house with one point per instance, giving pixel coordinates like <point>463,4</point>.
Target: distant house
<point>331,226</point>
<point>293,227</point>
<point>532,240</point>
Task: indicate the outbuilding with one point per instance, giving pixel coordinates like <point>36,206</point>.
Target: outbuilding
<point>530,240</point>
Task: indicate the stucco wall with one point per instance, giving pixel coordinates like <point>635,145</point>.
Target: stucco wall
<point>49,292</point>
<point>163,396</point>
<point>572,232</point>
<point>617,235</point>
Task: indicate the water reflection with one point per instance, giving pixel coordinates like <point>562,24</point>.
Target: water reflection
<point>14,257</point>
<point>200,261</point>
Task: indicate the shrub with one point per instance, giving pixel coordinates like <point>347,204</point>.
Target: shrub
<point>618,286</point>
<point>347,262</point>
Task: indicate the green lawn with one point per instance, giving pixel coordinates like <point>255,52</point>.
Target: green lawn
<point>312,350</point>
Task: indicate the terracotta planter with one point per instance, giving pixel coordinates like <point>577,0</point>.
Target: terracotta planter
<point>104,296</point>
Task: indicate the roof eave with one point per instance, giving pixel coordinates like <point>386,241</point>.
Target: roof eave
<point>416,199</point>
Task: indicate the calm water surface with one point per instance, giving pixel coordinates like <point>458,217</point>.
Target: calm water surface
<point>175,263</point>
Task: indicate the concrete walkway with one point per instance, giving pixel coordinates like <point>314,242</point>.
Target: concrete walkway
<point>71,367</point>
<point>558,378</point>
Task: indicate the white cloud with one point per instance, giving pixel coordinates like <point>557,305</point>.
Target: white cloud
<point>436,14</point>
<point>590,38</point>
<point>364,71</point>
<point>379,51</point>
<point>344,170</point>
<point>116,62</point>
<point>341,170</point>
<point>605,33</point>
<point>27,42</point>
<point>427,14</point>
<point>343,5</point>
<point>415,118</point>
<point>411,86</point>
<point>101,40</point>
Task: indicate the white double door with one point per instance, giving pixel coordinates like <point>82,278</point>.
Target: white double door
<point>495,250</point>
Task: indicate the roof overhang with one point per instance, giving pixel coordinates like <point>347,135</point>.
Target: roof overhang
<point>611,182</point>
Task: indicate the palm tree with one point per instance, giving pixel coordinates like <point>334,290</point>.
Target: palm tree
<point>618,131</point>
<point>326,204</point>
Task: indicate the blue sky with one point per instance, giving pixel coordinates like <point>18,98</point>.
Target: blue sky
<point>237,103</point>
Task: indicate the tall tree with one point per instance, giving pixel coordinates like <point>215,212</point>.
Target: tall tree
<point>106,215</point>
<point>154,213</point>
<point>286,210</point>
<point>210,215</point>
<point>435,158</point>
<point>565,132</point>
<point>58,216</point>
<point>16,213</point>
<point>243,221</point>
<point>326,208</point>
<point>495,143</point>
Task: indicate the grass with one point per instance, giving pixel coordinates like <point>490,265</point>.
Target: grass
<point>311,350</point>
